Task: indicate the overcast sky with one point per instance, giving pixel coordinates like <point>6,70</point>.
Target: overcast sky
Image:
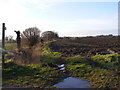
<point>67,17</point>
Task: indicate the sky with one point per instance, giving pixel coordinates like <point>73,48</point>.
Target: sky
<point>74,18</point>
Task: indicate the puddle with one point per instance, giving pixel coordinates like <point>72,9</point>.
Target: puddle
<point>72,82</point>
<point>61,67</point>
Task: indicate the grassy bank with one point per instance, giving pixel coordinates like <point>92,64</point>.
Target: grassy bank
<point>110,61</point>
<point>34,75</point>
<point>48,57</point>
<point>96,70</point>
<point>99,77</point>
<point>30,76</point>
<point>102,71</point>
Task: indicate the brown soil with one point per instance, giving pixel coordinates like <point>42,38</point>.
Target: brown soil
<point>86,46</point>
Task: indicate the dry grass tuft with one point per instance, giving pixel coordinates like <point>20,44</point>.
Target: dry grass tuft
<point>29,55</point>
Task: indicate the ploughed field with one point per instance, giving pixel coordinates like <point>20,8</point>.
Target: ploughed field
<point>87,46</point>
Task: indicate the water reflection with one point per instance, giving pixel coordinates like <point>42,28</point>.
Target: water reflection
<point>61,67</point>
<point>72,82</point>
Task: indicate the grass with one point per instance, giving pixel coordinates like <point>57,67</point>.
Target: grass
<point>111,61</point>
<point>48,57</point>
<point>75,60</point>
<point>10,46</point>
<point>30,75</point>
<point>77,66</point>
<point>34,75</point>
<point>99,77</point>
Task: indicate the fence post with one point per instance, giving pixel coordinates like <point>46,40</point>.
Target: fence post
<point>3,43</point>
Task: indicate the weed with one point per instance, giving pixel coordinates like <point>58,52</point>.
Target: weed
<point>48,57</point>
<point>109,61</point>
<point>76,60</point>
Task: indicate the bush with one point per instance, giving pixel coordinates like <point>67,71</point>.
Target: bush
<point>30,36</point>
<point>50,35</point>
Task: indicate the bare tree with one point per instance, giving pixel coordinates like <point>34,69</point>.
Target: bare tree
<point>31,36</point>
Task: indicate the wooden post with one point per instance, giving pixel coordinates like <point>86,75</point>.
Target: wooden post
<point>3,43</point>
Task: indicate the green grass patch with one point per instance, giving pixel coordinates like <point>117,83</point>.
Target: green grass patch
<point>111,61</point>
<point>30,75</point>
<point>78,66</point>
<point>76,60</point>
<point>10,46</point>
<point>49,57</point>
<point>34,75</point>
<point>99,78</point>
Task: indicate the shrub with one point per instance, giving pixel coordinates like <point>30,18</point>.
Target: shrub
<point>30,36</point>
<point>50,35</point>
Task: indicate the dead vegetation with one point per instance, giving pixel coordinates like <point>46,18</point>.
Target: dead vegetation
<point>28,55</point>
